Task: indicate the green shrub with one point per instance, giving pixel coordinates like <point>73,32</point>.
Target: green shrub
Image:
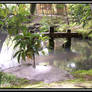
<point>11,81</point>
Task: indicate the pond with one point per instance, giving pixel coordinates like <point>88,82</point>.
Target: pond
<point>79,57</point>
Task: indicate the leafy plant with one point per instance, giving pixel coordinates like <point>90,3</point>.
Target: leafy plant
<point>13,19</point>
<point>29,44</point>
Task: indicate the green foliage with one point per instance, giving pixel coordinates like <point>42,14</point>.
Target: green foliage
<point>46,22</point>
<point>28,44</point>
<point>82,73</point>
<point>90,35</point>
<point>85,32</point>
<point>81,13</point>
<point>59,6</point>
<point>9,81</point>
<point>63,28</point>
<point>89,25</point>
<point>13,18</point>
<point>44,28</point>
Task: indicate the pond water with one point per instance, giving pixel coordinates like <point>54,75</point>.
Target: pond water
<point>79,57</point>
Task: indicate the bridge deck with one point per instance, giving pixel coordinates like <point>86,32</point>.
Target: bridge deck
<point>62,35</point>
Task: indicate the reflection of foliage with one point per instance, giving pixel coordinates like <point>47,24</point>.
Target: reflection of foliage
<point>86,65</point>
<point>81,61</point>
<point>84,60</point>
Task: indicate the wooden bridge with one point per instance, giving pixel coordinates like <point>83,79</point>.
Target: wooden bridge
<point>68,35</point>
<point>52,33</point>
<point>63,35</point>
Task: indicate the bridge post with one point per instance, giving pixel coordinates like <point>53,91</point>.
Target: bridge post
<point>68,31</point>
<point>51,44</point>
<point>68,43</point>
<point>51,39</point>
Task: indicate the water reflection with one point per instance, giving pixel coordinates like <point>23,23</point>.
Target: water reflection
<point>78,57</point>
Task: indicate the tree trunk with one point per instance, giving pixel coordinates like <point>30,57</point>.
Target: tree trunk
<point>42,9</point>
<point>32,8</point>
<point>66,14</point>
<point>34,65</point>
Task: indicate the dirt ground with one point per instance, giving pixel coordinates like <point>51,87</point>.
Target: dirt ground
<point>45,73</point>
